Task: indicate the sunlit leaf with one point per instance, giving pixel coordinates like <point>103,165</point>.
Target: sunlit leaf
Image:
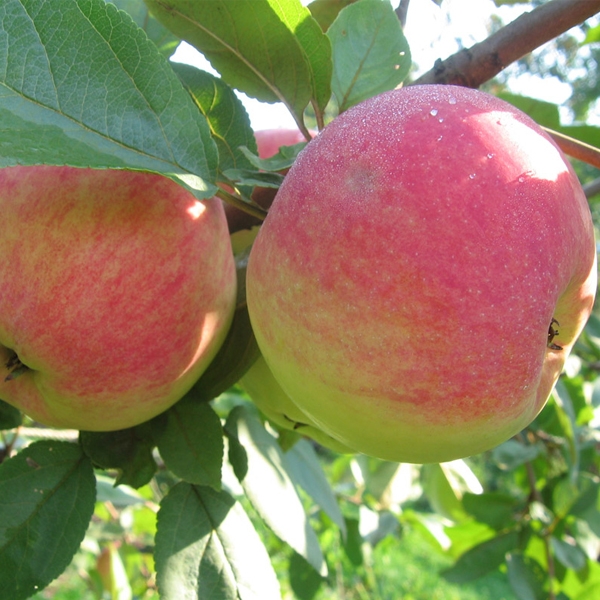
<point>370,53</point>
<point>98,94</point>
<point>207,548</point>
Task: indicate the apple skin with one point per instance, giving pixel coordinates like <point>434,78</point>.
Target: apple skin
<point>275,404</point>
<point>118,288</point>
<point>402,286</point>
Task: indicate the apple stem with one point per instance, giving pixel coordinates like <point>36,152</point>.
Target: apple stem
<point>247,207</point>
<point>15,366</point>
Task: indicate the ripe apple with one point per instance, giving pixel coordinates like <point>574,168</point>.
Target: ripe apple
<point>275,404</point>
<point>118,288</point>
<point>423,273</point>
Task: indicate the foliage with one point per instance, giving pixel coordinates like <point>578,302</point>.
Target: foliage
<point>209,500</point>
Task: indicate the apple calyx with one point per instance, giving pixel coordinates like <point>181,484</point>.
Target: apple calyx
<point>552,333</point>
<point>15,367</point>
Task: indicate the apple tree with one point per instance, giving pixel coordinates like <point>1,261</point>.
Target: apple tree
<point>227,494</point>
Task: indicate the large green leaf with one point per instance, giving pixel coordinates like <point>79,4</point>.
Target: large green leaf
<point>227,118</point>
<point>258,46</point>
<point>164,40</point>
<point>47,495</point>
<point>370,53</point>
<point>189,437</point>
<point>305,468</point>
<point>482,559</point>
<point>207,548</point>
<point>81,84</point>
<point>269,487</point>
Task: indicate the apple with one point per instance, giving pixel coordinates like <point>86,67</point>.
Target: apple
<point>118,288</point>
<point>423,273</point>
<point>275,404</point>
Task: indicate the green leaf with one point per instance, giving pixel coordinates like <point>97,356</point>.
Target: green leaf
<point>482,559</point>
<point>81,85</point>
<point>353,543</point>
<point>10,417</point>
<point>248,43</point>
<point>163,39</point>
<point>226,115</point>
<point>238,352</point>
<point>284,159</point>
<point>512,454</point>
<point>206,547</point>
<point>270,489</point>
<point>443,497</point>
<point>250,177</point>
<point>47,494</point>
<point>325,11</point>
<point>303,465</point>
<point>189,437</point>
<point>127,450</point>
<point>370,53</point>
<point>526,577</point>
<point>495,509</point>
<point>314,43</point>
<point>304,580</point>
<point>568,554</point>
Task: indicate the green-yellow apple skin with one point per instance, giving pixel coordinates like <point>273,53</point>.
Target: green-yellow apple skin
<point>275,404</point>
<point>404,283</point>
<point>117,290</point>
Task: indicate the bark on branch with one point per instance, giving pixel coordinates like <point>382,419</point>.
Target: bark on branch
<point>476,65</point>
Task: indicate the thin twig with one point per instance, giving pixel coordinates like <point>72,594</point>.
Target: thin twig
<point>576,148</point>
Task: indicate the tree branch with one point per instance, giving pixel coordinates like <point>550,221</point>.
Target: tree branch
<point>476,65</point>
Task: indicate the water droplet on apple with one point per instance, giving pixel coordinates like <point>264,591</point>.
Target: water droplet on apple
<point>472,176</point>
<point>490,155</point>
<point>452,100</point>
<point>433,112</point>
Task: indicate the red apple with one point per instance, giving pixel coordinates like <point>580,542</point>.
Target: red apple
<point>423,273</point>
<point>118,288</point>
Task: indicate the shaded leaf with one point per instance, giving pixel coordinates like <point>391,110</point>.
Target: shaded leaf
<point>495,509</point>
<point>127,450</point>
<point>370,53</point>
<point>47,495</point>
<point>305,469</point>
<point>304,580</point>
<point>10,417</point>
<point>96,94</point>
<point>353,543</point>
<point>512,454</point>
<point>325,11</point>
<point>482,559</point>
<point>189,437</point>
<point>271,490</point>
<point>206,547</point>
<point>164,40</point>
<point>526,577</point>
<point>247,42</point>
<point>568,554</point>
<point>226,115</point>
